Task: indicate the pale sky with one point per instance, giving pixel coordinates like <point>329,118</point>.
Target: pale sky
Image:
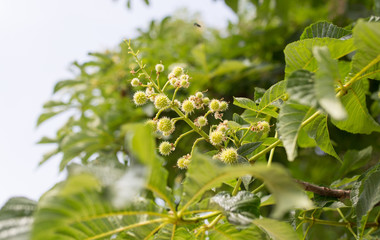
<point>38,41</point>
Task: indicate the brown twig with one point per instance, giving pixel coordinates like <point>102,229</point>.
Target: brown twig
<point>324,191</point>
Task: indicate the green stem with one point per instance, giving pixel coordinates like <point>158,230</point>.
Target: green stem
<point>245,134</point>
<point>236,188</point>
<point>272,152</point>
<point>181,136</point>
<point>264,151</point>
<point>166,84</point>
<point>357,76</point>
<point>196,219</point>
<point>175,92</point>
<point>195,143</point>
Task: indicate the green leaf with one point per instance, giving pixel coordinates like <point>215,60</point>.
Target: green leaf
<point>53,103</point>
<point>369,197</point>
<point>359,120</point>
<point>248,148</point>
<point>245,103</point>
<point>144,147</point>
<point>275,229</point>
<point>240,209</point>
<point>300,86</point>
<point>67,83</point>
<point>325,83</point>
<point>273,96</point>
<point>16,218</point>
<point>78,209</point>
<point>317,130</point>
<point>251,105</point>
<point>180,233</point>
<point>45,116</point>
<point>354,160</point>
<point>233,4</point>
<point>324,29</point>
<point>227,231</point>
<point>203,174</point>
<point>289,124</point>
<point>298,55</point>
<point>365,63</point>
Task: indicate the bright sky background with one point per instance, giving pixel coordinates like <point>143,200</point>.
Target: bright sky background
<point>38,41</point>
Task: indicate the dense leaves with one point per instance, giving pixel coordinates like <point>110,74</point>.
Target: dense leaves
<point>315,110</point>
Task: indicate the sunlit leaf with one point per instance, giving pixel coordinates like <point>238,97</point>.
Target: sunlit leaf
<point>324,83</point>
<point>366,62</point>
<point>240,209</point>
<point>324,29</point>
<point>16,218</point>
<point>289,124</point>
<point>298,55</point>
<point>359,120</point>
<point>204,174</point>
<point>368,198</point>
<point>78,209</point>
<point>227,231</point>
<point>275,229</point>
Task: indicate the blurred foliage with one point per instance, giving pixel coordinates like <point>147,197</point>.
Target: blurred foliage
<point>240,61</point>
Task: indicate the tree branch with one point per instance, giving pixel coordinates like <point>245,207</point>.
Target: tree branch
<point>324,191</point>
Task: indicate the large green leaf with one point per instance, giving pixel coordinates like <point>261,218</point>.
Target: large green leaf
<point>47,115</point>
<point>251,105</point>
<point>366,61</point>
<point>142,144</point>
<point>300,86</point>
<point>368,198</point>
<point>359,120</point>
<point>78,209</point>
<point>227,231</point>
<point>204,174</point>
<point>174,232</point>
<point>289,124</point>
<point>240,209</point>
<point>16,218</point>
<point>275,229</point>
<point>317,130</point>
<point>273,96</point>
<point>324,29</point>
<point>353,160</point>
<point>324,83</point>
<point>298,55</point>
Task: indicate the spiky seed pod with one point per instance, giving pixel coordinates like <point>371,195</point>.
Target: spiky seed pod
<point>228,155</point>
<point>188,106</point>
<point>177,103</point>
<point>223,106</point>
<point>152,124</point>
<point>200,121</point>
<point>171,75</point>
<point>199,95</point>
<point>165,125</point>
<point>139,98</point>
<point>184,83</point>
<point>263,126</point>
<point>165,148</point>
<point>161,101</point>
<point>159,68</point>
<point>173,81</point>
<point>135,82</point>
<point>216,137</point>
<point>206,100</point>
<point>214,105</point>
<point>222,127</point>
<point>184,162</point>
<point>184,77</point>
<point>177,71</point>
